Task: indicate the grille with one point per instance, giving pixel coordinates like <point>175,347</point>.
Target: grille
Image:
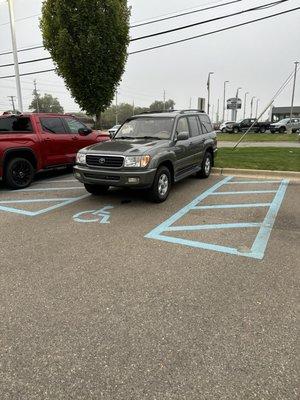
<point>104,161</point>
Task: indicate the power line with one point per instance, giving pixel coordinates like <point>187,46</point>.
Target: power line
<point>213,32</point>
<point>274,3</point>
<point>21,50</point>
<point>258,8</point>
<point>177,41</point>
<point>159,19</point>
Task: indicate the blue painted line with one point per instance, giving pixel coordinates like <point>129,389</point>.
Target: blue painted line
<point>258,249</point>
<point>28,201</point>
<point>220,206</point>
<point>43,211</point>
<point>162,227</point>
<point>244,192</point>
<point>263,236</point>
<point>247,182</point>
<point>213,226</point>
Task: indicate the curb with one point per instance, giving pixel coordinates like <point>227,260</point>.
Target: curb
<point>258,173</point>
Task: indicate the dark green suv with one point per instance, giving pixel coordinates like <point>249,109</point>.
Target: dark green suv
<point>150,151</point>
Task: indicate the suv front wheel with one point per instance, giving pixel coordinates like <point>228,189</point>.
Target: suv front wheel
<point>161,186</point>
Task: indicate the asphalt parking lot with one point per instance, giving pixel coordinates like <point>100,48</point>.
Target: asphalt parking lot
<point>114,297</point>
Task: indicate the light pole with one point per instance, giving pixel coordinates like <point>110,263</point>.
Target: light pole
<point>224,101</point>
<point>236,104</point>
<point>15,53</point>
<point>245,101</point>
<point>208,92</point>
<point>294,87</point>
<point>256,111</point>
<point>252,100</point>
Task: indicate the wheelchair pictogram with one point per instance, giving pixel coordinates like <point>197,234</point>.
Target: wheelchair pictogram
<point>102,216</point>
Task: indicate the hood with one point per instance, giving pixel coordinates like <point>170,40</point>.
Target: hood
<point>127,147</point>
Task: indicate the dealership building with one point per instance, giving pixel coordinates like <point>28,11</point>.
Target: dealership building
<point>279,113</point>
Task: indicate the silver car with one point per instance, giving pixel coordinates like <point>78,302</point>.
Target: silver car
<point>285,125</point>
<point>112,131</point>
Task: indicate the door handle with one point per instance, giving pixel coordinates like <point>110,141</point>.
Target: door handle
<point>75,138</point>
<point>47,139</point>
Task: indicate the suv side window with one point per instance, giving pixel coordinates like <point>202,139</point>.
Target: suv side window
<point>15,124</point>
<point>205,123</point>
<point>182,125</point>
<point>52,125</point>
<point>194,126</point>
<point>74,125</point>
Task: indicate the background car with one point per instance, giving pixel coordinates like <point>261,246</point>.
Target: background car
<point>112,131</point>
<point>286,124</point>
<point>225,125</point>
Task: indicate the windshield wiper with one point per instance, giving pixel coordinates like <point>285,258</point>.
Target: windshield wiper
<point>124,137</point>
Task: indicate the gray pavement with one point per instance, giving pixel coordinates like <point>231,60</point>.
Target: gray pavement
<point>260,144</point>
<point>95,310</point>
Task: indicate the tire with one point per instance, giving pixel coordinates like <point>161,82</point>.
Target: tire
<point>235,130</point>
<point>224,130</point>
<point>96,190</point>
<point>282,129</point>
<point>262,129</point>
<point>294,130</point>
<point>160,189</point>
<point>206,166</point>
<point>19,173</point>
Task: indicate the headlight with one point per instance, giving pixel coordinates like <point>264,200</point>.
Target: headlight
<point>81,158</point>
<point>137,161</point>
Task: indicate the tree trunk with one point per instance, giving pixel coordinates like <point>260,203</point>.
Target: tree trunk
<point>98,120</point>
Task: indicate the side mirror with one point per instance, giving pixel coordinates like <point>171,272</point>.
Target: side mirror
<point>183,136</point>
<point>84,131</point>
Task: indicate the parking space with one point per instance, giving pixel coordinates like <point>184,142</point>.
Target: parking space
<point>115,297</point>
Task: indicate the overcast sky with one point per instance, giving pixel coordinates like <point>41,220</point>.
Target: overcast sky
<point>256,57</point>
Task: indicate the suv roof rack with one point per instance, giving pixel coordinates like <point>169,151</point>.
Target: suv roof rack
<point>158,112</point>
<point>191,110</point>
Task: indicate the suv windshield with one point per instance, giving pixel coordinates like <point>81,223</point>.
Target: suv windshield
<point>146,127</point>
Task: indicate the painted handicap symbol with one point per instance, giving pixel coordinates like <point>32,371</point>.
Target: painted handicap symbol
<point>102,216</point>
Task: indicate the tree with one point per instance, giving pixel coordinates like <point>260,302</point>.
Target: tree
<point>159,105</point>
<point>88,40</point>
<point>46,104</point>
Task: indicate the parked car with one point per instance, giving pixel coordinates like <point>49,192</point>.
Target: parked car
<point>33,142</point>
<point>244,124</point>
<point>225,126</point>
<point>112,131</point>
<point>150,151</point>
<point>286,124</point>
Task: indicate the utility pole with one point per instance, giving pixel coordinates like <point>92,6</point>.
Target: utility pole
<point>212,113</point>
<point>117,119</point>
<point>256,111</point>
<point>294,87</point>
<point>36,96</point>
<point>218,111</point>
<point>234,112</point>
<point>12,102</point>
<point>224,101</point>
<point>245,102</point>
<point>252,100</point>
<point>15,53</point>
<point>208,92</point>
<point>164,100</point>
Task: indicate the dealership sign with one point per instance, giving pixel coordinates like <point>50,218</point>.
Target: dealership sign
<point>234,104</point>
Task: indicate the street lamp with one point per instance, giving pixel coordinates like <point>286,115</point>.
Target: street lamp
<point>236,103</point>
<point>208,91</point>
<point>293,92</point>
<point>224,100</point>
<point>256,111</point>
<point>245,101</point>
<point>15,53</point>
<point>252,100</point>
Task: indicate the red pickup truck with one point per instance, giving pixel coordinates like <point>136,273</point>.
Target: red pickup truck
<point>30,143</point>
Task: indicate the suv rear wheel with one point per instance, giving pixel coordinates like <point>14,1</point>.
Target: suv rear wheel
<point>19,173</point>
<point>160,189</point>
<point>262,129</point>
<point>206,166</point>
<point>236,130</point>
<point>96,190</point>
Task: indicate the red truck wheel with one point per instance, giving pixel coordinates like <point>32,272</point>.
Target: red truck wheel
<point>19,173</point>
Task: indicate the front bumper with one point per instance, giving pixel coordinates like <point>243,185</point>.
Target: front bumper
<point>113,177</point>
